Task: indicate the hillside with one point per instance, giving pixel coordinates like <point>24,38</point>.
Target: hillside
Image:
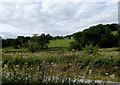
<point>60,43</point>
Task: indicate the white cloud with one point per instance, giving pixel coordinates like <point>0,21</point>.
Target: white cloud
<point>8,31</point>
<point>56,18</point>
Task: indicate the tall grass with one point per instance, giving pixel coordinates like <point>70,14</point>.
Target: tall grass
<point>73,64</point>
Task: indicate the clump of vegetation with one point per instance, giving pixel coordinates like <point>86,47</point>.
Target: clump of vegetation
<point>33,47</point>
<point>105,36</point>
<point>90,49</point>
<point>38,43</point>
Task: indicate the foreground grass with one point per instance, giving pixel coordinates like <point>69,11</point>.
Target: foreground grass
<point>74,64</point>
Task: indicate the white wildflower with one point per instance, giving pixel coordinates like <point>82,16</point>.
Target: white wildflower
<point>106,74</point>
<point>17,66</point>
<point>112,76</point>
<point>90,71</point>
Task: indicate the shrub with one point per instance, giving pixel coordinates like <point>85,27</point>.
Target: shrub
<point>33,47</point>
<point>73,45</point>
<point>90,49</point>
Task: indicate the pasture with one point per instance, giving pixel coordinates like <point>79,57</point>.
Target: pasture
<point>60,43</point>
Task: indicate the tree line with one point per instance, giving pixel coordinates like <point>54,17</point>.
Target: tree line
<point>105,36</point>
<point>34,43</point>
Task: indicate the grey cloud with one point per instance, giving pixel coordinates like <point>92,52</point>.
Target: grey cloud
<point>56,18</point>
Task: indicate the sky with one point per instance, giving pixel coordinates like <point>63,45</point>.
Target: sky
<point>55,17</point>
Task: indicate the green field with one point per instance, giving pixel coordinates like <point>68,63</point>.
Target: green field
<point>60,43</point>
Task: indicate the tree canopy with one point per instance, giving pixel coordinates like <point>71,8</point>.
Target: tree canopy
<point>104,36</point>
<point>37,42</point>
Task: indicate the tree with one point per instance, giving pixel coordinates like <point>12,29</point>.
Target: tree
<point>7,42</point>
<point>43,41</point>
<point>68,36</point>
<point>39,42</point>
<point>22,40</point>
<point>16,44</point>
<point>58,37</point>
<point>103,35</point>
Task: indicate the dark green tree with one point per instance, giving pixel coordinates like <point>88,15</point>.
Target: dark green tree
<point>43,41</point>
<point>102,35</point>
<point>7,42</point>
<point>16,44</point>
<point>22,40</point>
<point>39,42</point>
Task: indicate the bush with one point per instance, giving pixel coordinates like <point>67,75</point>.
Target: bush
<point>33,47</point>
<point>74,45</point>
<point>90,49</point>
<point>16,44</point>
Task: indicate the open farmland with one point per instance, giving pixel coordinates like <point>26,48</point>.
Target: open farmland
<point>60,43</point>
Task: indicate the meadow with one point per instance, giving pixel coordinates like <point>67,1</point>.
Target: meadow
<point>60,66</point>
<point>60,43</point>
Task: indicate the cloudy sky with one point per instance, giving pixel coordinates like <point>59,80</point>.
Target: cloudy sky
<point>55,18</point>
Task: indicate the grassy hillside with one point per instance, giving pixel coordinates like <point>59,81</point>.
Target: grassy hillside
<point>60,43</point>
